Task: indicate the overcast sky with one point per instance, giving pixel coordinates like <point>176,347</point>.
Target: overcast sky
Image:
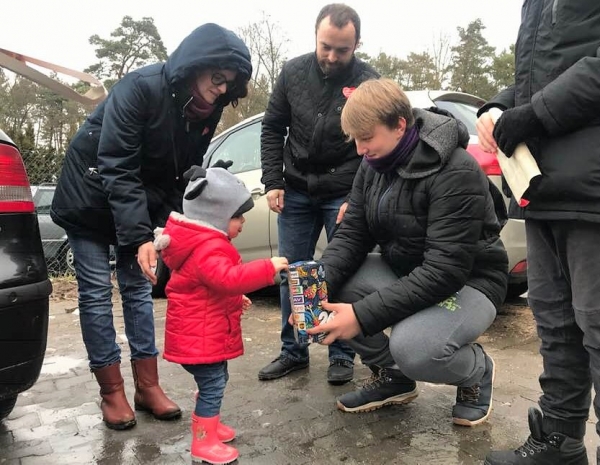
<point>58,30</point>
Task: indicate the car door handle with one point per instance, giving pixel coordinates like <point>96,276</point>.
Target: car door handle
<point>259,191</point>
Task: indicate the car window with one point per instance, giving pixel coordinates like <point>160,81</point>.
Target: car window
<point>43,200</point>
<point>242,147</point>
<point>462,112</point>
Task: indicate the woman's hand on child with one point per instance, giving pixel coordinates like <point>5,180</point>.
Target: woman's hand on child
<point>280,263</point>
<point>147,258</point>
<point>246,302</point>
<point>343,326</point>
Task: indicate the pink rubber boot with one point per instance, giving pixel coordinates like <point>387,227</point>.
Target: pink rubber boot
<point>206,445</point>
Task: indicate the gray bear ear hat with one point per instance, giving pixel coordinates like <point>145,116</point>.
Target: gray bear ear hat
<point>214,196</point>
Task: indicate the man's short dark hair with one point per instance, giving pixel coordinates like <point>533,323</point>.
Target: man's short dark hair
<point>340,15</point>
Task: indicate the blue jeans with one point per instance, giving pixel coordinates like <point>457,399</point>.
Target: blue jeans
<point>211,379</point>
<point>93,272</point>
<point>300,224</point>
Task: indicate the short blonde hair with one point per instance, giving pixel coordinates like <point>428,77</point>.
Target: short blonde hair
<point>376,101</point>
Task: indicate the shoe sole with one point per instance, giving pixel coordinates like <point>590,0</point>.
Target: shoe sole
<point>120,426</point>
<point>338,382</point>
<point>198,459</point>
<point>164,417</point>
<point>464,421</point>
<point>396,400</point>
<point>263,377</point>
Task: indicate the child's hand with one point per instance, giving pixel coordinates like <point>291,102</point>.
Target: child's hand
<point>246,302</point>
<point>280,263</point>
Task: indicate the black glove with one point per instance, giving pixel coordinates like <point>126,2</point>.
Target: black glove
<point>515,126</point>
<point>222,164</point>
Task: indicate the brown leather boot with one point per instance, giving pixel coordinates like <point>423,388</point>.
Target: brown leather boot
<point>149,396</point>
<point>116,411</point>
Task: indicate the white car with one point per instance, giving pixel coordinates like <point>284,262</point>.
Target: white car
<point>241,144</point>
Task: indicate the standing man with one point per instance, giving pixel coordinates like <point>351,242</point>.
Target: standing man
<point>554,106</point>
<point>309,175</point>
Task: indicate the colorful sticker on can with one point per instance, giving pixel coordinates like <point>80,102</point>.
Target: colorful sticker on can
<point>310,292</point>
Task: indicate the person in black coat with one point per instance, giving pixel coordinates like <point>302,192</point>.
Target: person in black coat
<point>308,173</point>
<point>122,176</point>
<point>554,107</point>
<point>441,271</point>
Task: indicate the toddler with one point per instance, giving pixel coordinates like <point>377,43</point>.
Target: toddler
<point>206,296</point>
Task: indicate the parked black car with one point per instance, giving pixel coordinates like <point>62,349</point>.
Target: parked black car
<point>24,284</point>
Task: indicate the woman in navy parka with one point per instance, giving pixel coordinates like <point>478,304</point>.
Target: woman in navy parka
<point>122,176</point>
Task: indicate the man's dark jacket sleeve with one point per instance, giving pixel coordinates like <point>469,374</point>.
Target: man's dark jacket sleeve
<point>572,99</point>
<point>274,129</point>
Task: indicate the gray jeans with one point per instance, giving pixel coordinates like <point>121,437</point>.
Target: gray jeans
<point>435,344</point>
<point>563,270</point>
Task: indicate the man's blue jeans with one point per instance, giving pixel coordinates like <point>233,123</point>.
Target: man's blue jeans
<point>93,272</point>
<point>300,224</point>
<point>211,379</point>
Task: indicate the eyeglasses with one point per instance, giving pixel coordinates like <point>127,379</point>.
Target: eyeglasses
<point>218,79</point>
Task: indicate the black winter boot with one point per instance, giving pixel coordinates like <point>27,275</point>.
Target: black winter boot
<point>474,403</point>
<point>541,449</point>
<point>385,387</point>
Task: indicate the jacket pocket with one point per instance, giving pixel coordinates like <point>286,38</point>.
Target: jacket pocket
<point>234,329</point>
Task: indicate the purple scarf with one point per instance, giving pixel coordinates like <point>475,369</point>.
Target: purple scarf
<point>399,156</point>
<point>197,108</point>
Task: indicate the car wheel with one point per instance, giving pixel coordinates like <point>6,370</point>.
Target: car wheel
<point>516,290</point>
<point>162,277</point>
<point>6,406</point>
<point>66,260</point>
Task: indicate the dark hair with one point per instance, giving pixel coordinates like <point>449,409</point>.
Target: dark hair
<point>240,91</point>
<point>340,15</point>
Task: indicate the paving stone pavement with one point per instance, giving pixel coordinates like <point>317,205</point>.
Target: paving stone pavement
<point>288,421</point>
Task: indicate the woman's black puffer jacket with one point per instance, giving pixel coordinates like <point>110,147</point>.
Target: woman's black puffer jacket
<point>123,171</point>
<point>435,222</point>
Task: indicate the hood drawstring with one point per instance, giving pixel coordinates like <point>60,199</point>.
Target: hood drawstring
<point>187,122</point>
<point>174,129</point>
